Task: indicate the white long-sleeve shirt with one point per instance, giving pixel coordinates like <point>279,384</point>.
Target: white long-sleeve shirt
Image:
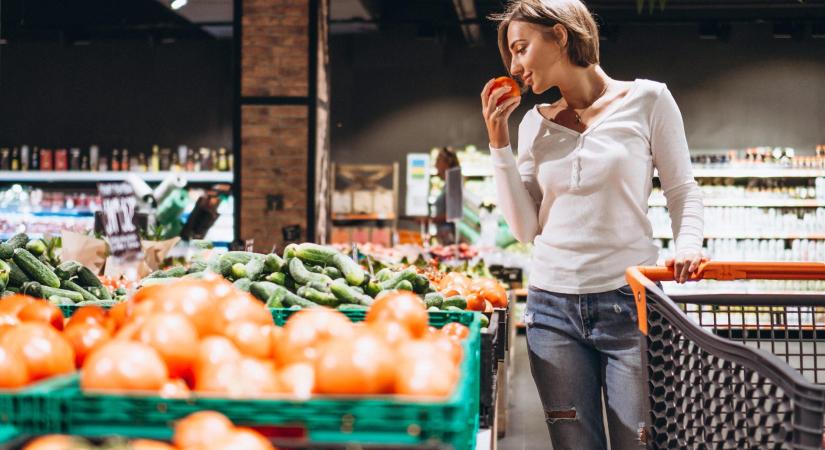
<point>581,198</point>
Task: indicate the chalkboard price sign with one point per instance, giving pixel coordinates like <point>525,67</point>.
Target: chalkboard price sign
<point>118,204</point>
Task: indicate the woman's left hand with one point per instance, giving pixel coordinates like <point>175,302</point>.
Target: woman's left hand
<point>685,264</point>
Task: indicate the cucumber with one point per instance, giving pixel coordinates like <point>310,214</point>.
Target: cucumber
<point>276,301</point>
<point>175,272</point>
<point>433,309</point>
<point>303,276</point>
<point>119,291</point>
<point>277,278</point>
<point>17,241</point>
<point>420,284</point>
<point>321,298</point>
<point>86,277</point>
<point>315,254</point>
<point>36,247</point>
<point>194,275</point>
<point>46,261</point>
<point>297,307</point>
<point>332,272</point>
<point>455,301</point>
<point>67,270</point>
<point>407,274</point>
<point>6,293</point>
<point>321,286</point>
<point>16,276</point>
<point>314,268</point>
<point>290,300</point>
<point>384,274</point>
<point>238,271</point>
<point>244,284</point>
<point>229,259</point>
<point>102,303</point>
<point>354,274</point>
<point>72,286</point>
<point>485,321</point>
<point>36,289</point>
<point>59,300</point>
<point>290,251</point>
<point>255,268</point>
<point>373,288</point>
<point>197,266</point>
<point>434,299</point>
<point>35,269</point>
<point>5,270</point>
<point>404,285</point>
<point>273,263</point>
<point>349,294</point>
<point>263,290</point>
<point>352,307</point>
<point>453,308</point>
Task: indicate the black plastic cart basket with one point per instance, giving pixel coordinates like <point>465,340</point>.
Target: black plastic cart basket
<point>733,371</point>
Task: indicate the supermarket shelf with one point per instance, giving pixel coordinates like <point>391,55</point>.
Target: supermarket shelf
<point>812,236</point>
<point>694,292</point>
<point>362,217</point>
<point>749,202</point>
<point>469,171</point>
<point>49,213</point>
<point>755,173</point>
<point>94,177</point>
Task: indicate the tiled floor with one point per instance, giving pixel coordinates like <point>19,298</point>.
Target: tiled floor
<point>526,429</point>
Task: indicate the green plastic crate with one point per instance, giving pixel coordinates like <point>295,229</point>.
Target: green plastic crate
<point>34,408</point>
<point>372,420</point>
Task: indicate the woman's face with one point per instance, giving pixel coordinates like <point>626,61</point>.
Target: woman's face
<point>441,165</point>
<point>537,57</point>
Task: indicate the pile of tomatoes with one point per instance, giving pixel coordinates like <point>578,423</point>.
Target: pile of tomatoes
<point>209,337</point>
<point>482,294</point>
<point>204,430</point>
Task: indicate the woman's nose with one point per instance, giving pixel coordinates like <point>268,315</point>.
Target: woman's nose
<point>515,69</point>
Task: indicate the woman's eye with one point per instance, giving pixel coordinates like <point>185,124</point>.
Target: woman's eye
<point>521,50</point>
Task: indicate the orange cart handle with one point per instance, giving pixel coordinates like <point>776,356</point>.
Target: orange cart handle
<point>640,277</point>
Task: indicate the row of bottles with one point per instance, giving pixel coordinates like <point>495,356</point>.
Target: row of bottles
<point>117,160</point>
<point>760,188</point>
<point>761,157</point>
<point>746,221</point>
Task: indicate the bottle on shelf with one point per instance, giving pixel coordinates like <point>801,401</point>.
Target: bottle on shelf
<point>15,159</point>
<point>115,163</point>
<point>94,154</point>
<point>74,159</point>
<point>154,160</point>
<point>165,159</point>
<point>190,160</point>
<point>124,160</point>
<point>35,158</point>
<point>24,157</point>
<point>5,162</point>
<point>46,159</point>
<point>223,164</point>
<point>142,167</point>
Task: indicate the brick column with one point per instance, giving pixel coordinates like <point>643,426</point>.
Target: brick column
<point>277,130</point>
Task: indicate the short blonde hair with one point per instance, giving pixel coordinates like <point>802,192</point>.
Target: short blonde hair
<point>582,32</point>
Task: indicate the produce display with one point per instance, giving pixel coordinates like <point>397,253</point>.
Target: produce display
<point>205,430</point>
<point>31,267</point>
<point>208,336</point>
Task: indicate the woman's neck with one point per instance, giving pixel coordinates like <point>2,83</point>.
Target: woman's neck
<point>584,86</point>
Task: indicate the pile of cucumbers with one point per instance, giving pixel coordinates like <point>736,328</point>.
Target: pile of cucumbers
<point>25,269</point>
<point>309,276</point>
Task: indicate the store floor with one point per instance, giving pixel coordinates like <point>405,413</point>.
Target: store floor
<point>526,429</point>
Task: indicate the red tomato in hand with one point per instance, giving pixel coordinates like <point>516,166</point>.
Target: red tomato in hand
<point>506,81</point>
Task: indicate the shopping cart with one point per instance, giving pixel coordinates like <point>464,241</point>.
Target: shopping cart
<point>731,371</point>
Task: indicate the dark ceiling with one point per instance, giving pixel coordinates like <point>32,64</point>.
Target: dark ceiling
<point>79,20</point>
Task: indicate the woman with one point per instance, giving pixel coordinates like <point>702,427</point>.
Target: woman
<point>445,231</point>
<point>579,192</point>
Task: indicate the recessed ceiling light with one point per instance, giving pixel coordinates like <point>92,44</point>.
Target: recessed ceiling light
<point>178,4</point>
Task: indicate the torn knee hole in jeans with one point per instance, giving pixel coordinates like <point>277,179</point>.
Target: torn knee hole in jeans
<point>554,415</point>
<point>528,318</point>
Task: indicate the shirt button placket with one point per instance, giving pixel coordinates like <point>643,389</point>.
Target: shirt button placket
<point>576,169</point>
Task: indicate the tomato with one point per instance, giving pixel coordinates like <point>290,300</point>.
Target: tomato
<point>453,289</point>
<point>240,307</point>
<point>306,330</point>
<point>214,350</point>
<point>448,345</point>
<point>251,339</point>
<point>42,311</point>
<point>120,313</point>
<point>240,438</point>
<point>45,351</point>
<point>14,303</point>
<point>430,374</point>
<point>364,364</point>
<point>403,307</point>
<point>7,322</point>
<point>85,337</point>
<point>245,378</point>
<point>298,380</point>
<point>146,444</point>
<point>491,291</point>
<point>124,365</point>
<point>200,429</point>
<point>174,337</point>
<point>192,298</point>
<point>392,332</point>
<point>474,302</point>
<point>276,339</point>
<point>456,279</point>
<point>85,314</point>
<point>56,442</point>
<point>455,330</point>
<point>488,307</point>
<point>176,388</point>
<point>514,91</point>
<point>13,371</point>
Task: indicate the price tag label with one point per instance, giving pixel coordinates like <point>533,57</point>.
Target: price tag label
<point>118,204</point>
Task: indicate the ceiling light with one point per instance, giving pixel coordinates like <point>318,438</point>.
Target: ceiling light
<point>178,4</point>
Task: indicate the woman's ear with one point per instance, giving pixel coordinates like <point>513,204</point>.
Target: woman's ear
<point>561,34</point>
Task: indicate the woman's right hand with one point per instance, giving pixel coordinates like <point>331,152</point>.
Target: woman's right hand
<point>496,117</point>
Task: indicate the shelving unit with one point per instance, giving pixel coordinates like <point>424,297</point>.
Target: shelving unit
<point>356,181</point>
<point>7,176</point>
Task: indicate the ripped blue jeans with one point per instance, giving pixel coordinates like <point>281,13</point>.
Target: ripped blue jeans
<point>580,347</point>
